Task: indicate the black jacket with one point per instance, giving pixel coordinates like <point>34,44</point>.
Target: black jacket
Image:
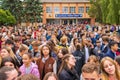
<point>59,61</point>
<point>80,60</point>
<point>67,74</point>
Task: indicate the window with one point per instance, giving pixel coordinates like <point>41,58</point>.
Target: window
<point>48,9</point>
<point>80,9</point>
<point>87,9</point>
<point>65,10</point>
<point>56,9</point>
<point>72,9</point>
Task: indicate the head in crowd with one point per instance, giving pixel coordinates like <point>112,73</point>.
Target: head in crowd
<point>78,46</point>
<point>27,59</point>
<point>62,52</point>
<point>45,51</point>
<point>51,44</point>
<point>109,68</point>
<point>6,51</point>
<point>23,49</point>
<point>17,41</point>
<point>10,73</point>
<point>75,41</point>
<point>53,37</point>
<point>8,61</point>
<point>50,76</point>
<point>98,44</point>
<point>113,46</point>
<point>117,59</point>
<point>9,43</point>
<point>90,71</point>
<point>35,44</point>
<point>27,77</point>
<point>93,59</point>
<point>63,40</point>
<point>105,39</point>
<point>68,62</point>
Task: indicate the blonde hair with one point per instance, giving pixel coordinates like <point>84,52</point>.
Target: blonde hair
<point>63,39</point>
<point>104,74</point>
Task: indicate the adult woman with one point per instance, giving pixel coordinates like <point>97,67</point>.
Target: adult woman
<point>67,71</point>
<point>46,63</point>
<point>110,70</point>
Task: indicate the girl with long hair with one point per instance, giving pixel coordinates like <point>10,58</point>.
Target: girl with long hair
<point>110,69</point>
<point>67,71</point>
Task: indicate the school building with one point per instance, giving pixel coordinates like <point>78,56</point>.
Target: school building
<point>66,11</point>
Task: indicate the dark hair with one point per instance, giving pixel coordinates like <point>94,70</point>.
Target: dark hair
<point>50,74</point>
<point>29,55</point>
<point>74,40</point>
<point>112,43</point>
<point>64,50</point>
<point>64,63</point>
<point>105,38</point>
<point>9,42</point>
<point>117,59</point>
<point>45,45</point>
<point>8,59</point>
<point>78,46</point>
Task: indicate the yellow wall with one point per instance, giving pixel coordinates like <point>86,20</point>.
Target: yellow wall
<point>60,5</point>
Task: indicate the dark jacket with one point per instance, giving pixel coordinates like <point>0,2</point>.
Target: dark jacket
<point>80,60</point>
<point>67,74</point>
<point>110,54</point>
<point>59,61</point>
<point>105,50</point>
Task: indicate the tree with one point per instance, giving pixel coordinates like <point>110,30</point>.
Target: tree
<point>106,11</point>
<point>25,10</point>
<point>104,8</point>
<point>6,18</point>
<point>32,10</point>
<point>95,10</point>
<point>14,6</point>
<point>112,16</point>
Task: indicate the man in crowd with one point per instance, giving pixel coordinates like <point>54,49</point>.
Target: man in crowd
<point>90,71</point>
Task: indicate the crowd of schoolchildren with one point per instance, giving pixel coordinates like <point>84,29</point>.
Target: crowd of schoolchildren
<point>60,52</point>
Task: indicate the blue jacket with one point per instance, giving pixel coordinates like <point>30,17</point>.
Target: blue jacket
<point>110,54</point>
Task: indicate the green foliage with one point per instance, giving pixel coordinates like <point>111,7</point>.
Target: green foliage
<point>6,18</point>
<point>24,11</point>
<point>106,11</point>
<point>95,10</point>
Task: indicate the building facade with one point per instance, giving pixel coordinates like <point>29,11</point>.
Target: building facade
<point>66,11</point>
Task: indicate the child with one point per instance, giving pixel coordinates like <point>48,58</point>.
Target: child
<point>28,66</point>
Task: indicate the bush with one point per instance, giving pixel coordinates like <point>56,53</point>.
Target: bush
<point>6,18</point>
